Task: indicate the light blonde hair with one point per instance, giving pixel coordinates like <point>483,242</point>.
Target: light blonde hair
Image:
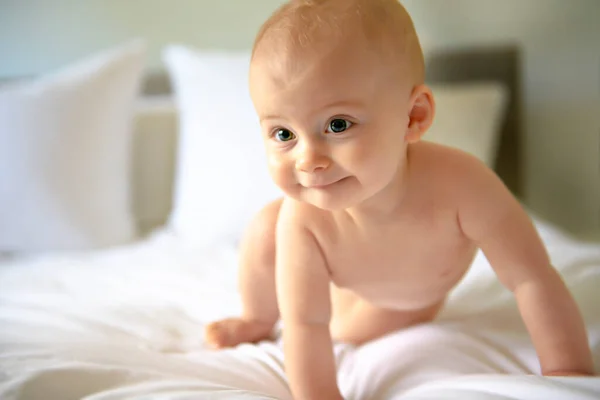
<point>304,25</point>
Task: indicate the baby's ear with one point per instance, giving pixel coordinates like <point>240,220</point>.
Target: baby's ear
<point>421,112</point>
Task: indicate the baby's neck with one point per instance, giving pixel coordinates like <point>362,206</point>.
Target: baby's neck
<point>386,204</point>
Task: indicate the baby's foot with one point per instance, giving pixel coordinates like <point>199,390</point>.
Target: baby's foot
<point>233,331</point>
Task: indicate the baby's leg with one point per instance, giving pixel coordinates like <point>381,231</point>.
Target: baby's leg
<point>256,283</point>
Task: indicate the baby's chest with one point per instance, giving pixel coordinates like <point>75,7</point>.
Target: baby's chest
<point>410,263</point>
<point>406,260</point>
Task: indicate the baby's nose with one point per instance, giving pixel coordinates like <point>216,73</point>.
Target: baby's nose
<point>311,160</point>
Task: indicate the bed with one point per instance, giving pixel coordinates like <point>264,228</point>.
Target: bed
<point>126,322</point>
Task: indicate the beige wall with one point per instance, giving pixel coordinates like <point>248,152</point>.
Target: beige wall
<point>37,35</point>
<point>561,42</point>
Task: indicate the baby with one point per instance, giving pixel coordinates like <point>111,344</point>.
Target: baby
<point>376,227</point>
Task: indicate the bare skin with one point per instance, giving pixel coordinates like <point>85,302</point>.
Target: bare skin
<point>376,227</point>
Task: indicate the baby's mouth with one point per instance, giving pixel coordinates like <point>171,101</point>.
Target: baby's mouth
<point>324,184</point>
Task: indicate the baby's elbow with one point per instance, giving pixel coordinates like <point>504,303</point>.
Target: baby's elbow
<point>544,277</point>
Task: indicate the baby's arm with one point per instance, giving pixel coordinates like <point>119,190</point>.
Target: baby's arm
<point>304,302</point>
<point>490,215</point>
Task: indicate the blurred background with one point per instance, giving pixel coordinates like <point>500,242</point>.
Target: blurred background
<point>560,42</point>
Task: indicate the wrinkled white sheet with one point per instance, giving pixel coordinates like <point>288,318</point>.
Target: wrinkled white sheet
<point>127,324</point>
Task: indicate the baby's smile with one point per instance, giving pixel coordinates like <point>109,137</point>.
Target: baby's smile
<point>324,184</point>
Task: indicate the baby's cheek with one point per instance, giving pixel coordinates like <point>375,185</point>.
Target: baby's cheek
<point>358,156</point>
<point>375,160</point>
<point>281,172</point>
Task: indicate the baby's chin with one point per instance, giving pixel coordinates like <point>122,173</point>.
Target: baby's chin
<point>329,205</point>
<point>324,200</point>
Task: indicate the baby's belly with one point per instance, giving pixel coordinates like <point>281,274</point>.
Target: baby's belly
<point>390,296</point>
<point>357,320</point>
<point>389,291</point>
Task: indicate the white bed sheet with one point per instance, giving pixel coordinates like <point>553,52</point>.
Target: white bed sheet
<point>127,324</point>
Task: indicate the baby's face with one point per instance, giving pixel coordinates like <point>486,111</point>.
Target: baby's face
<point>334,128</point>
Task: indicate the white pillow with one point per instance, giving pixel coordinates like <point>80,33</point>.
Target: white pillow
<point>469,117</point>
<point>65,155</point>
<point>222,178</point>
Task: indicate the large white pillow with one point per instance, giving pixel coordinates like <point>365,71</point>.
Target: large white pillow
<point>222,178</point>
<point>65,155</point>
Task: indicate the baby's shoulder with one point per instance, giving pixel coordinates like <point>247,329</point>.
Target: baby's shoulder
<point>299,215</point>
<point>455,178</point>
<point>446,164</point>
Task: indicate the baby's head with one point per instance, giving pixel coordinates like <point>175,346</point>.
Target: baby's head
<point>338,86</point>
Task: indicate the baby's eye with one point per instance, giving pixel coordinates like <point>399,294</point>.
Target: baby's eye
<point>338,125</point>
<point>284,135</point>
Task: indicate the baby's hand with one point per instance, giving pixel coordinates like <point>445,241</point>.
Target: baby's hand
<point>569,373</point>
<point>234,331</point>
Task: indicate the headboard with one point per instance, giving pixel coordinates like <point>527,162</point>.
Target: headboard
<point>156,125</point>
<point>499,64</point>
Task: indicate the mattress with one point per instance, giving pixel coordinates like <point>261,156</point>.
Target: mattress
<point>126,323</point>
